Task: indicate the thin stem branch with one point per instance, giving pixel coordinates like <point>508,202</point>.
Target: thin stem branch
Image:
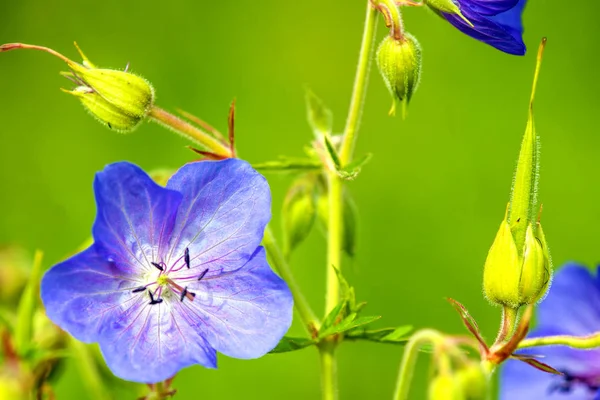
<point>335,225</point>
<point>311,323</point>
<point>509,320</point>
<point>411,352</point>
<point>360,85</point>
<point>189,131</point>
<point>577,342</point>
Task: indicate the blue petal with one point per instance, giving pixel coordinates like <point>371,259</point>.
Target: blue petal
<point>503,31</point>
<point>489,7</point>
<point>572,306</point>
<point>225,208</point>
<point>519,381</point>
<point>85,292</point>
<point>149,344</point>
<point>243,313</point>
<point>135,216</point>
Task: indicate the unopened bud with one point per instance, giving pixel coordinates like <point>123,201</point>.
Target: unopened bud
<point>14,272</point>
<point>474,382</point>
<point>11,388</point>
<point>445,387</point>
<point>518,269</point>
<point>399,62</point>
<point>119,99</point>
<point>299,211</point>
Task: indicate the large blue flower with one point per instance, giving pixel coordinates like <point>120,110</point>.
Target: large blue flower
<point>495,22</point>
<point>175,274</point>
<point>571,308</point>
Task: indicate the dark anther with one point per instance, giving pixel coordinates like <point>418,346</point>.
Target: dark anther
<point>183,293</point>
<point>139,289</point>
<point>186,257</point>
<point>202,274</point>
<point>153,300</point>
<point>109,125</point>
<point>158,266</point>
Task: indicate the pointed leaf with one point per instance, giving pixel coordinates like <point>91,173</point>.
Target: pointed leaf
<point>536,364</point>
<point>334,316</point>
<point>350,322</point>
<point>351,171</point>
<point>397,335</point>
<point>333,155</point>
<point>287,344</point>
<point>299,211</point>
<point>320,117</point>
<point>469,322</point>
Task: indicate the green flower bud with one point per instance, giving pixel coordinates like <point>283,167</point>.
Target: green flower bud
<point>299,211</point>
<point>515,276</point>
<point>474,382</point>
<point>119,99</point>
<point>445,387</point>
<point>399,62</point>
<point>518,267</point>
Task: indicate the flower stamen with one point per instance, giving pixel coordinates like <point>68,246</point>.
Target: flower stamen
<point>139,289</point>
<point>202,274</point>
<point>186,257</point>
<point>157,266</point>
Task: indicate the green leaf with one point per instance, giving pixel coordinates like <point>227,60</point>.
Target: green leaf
<point>27,307</point>
<point>333,155</point>
<point>351,171</point>
<point>287,344</point>
<point>350,322</point>
<point>334,316</point>
<point>397,335</point>
<point>288,164</point>
<point>320,117</point>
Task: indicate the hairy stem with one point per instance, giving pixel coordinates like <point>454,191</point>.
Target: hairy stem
<point>281,266</point>
<point>509,320</point>
<point>189,131</point>
<point>578,342</point>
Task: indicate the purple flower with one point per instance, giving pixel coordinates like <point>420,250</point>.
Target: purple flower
<point>174,274</point>
<point>495,22</point>
<point>571,308</point>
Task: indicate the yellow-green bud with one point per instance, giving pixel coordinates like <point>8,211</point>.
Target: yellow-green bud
<point>473,382</point>
<point>119,99</point>
<point>14,272</point>
<point>518,269</point>
<point>399,62</point>
<point>514,278</point>
<point>445,387</point>
<point>11,388</point>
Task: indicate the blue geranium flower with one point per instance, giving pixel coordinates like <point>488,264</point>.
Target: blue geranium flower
<point>495,22</point>
<point>571,308</point>
<point>175,274</point>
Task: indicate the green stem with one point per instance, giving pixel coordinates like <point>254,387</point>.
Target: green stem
<point>407,366</point>
<point>578,342</point>
<point>328,371</point>
<point>335,226</point>
<point>509,321</point>
<point>189,131</point>
<point>281,266</point>
<point>360,85</point>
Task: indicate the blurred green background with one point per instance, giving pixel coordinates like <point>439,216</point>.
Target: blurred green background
<point>430,201</point>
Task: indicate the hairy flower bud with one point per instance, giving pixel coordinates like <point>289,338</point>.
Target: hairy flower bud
<point>119,99</point>
<point>518,268</point>
<point>473,381</point>
<point>399,62</point>
<point>445,387</point>
<point>14,272</point>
